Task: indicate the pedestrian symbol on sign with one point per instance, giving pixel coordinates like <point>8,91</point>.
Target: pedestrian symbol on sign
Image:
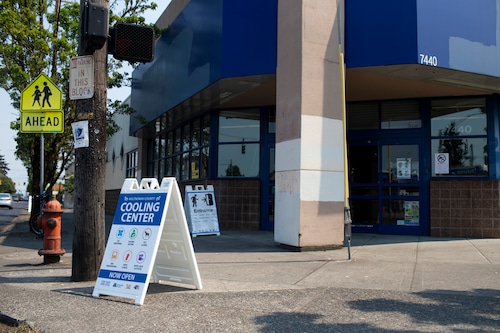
<point>36,95</point>
<point>46,95</point>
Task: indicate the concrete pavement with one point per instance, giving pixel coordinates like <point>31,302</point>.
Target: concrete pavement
<point>391,284</point>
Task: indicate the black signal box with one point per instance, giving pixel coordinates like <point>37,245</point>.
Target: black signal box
<point>131,42</point>
<point>94,24</point>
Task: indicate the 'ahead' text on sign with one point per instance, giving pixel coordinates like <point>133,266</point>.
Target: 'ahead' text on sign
<point>42,122</point>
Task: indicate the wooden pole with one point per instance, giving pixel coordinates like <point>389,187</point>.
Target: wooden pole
<point>90,171</point>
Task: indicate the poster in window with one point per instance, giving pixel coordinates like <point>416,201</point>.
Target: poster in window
<point>412,214</point>
<point>442,163</point>
<point>404,168</point>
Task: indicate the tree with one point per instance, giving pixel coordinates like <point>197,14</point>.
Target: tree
<point>454,147</point>
<point>3,166</point>
<point>42,36</point>
<point>6,185</point>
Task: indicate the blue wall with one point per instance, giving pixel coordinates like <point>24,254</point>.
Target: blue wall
<point>461,34</point>
<point>380,33</point>
<point>210,40</point>
<point>455,34</point>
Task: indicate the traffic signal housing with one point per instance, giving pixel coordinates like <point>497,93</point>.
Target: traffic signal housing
<point>131,42</point>
<point>93,34</point>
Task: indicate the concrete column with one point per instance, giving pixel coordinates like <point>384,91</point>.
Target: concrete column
<point>309,194</point>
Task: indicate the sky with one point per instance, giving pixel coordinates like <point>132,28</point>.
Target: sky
<point>8,114</point>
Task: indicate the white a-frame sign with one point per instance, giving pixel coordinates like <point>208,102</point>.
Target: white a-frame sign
<point>201,210</point>
<point>149,238</point>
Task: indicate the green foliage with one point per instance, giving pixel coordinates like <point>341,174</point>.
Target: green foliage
<point>3,165</point>
<point>6,185</point>
<point>453,146</point>
<point>42,36</point>
<point>233,171</point>
<point>69,184</point>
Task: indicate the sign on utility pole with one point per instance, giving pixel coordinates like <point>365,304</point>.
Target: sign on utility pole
<point>81,77</point>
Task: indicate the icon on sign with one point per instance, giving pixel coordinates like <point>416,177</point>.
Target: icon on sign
<point>46,94</point>
<point>133,233</point>
<point>114,255</point>
<point>36,96</point>
<point>146,234</point>
<point>208,199</point>
<point>141,257</point>
<point>120,232</point>
<point>127,256</point>
<point>194,200</point>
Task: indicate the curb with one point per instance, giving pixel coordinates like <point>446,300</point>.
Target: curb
<point>7,320</point>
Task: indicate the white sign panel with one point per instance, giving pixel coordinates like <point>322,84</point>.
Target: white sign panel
<point>403,168</point>
<point>81,77</point>
<point>149,237</point>
<point>201,210</point>
<point>81,133</point>
<point>442,163</point>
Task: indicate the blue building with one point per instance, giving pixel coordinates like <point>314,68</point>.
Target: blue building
<point>251,96</point>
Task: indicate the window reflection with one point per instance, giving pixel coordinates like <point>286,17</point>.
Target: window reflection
<point>233,163</point>
<point>182,152</point>
<point>459,137</point>
<point>239,142</point>
<point>239,126</point>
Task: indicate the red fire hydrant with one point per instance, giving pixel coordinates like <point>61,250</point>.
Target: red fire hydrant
<point>50,222</point>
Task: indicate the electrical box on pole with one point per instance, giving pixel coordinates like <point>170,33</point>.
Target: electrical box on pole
<point>94,23</point>
<point>131,42</point>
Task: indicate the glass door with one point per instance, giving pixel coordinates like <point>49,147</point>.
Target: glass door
<point>386,186</point>
<point>400,188</point>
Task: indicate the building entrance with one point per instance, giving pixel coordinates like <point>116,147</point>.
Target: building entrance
<point>387,187</point>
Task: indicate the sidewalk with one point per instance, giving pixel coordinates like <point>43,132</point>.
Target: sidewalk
<point>391,284</point>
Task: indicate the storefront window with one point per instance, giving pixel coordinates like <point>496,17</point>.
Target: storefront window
<point>195,138</point>
<point>185,166</point>
<point>241,160</point>
<point>459,138</point>
<point>239,142</point>
<point>401,114</point>
<point>176,153</point>
<point>363,116</point>
<point>132,160</point>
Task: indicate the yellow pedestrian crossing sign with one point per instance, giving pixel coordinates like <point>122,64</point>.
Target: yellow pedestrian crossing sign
<point>41,95</point>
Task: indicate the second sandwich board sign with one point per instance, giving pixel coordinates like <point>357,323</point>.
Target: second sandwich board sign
<point>149,238</point>
<point>201,210</point>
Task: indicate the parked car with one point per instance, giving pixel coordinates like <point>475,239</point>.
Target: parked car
<point>6,200</point>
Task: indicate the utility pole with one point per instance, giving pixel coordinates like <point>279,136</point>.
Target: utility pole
<point>90,162</point>
<point>127,42</point>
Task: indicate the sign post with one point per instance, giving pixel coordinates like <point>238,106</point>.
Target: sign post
<point>149,238</point>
